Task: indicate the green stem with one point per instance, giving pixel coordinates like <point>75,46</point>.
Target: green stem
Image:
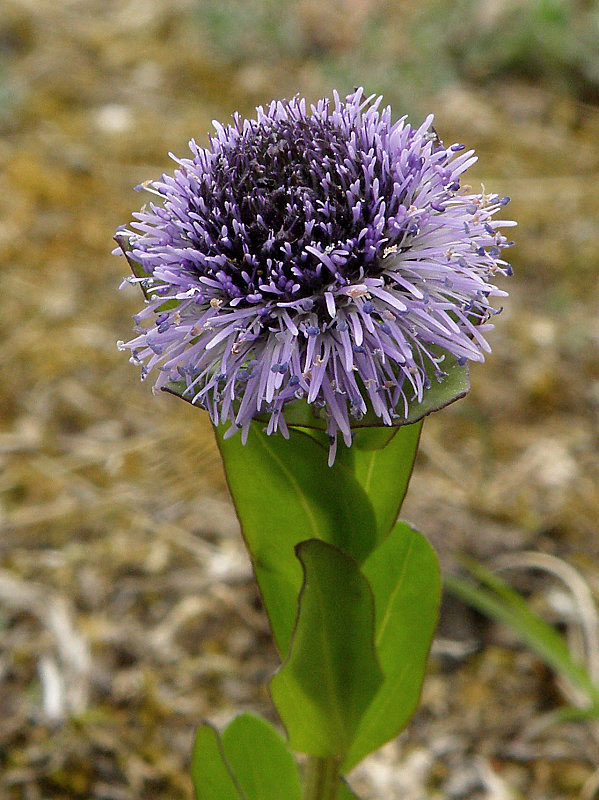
<point>322,779</point>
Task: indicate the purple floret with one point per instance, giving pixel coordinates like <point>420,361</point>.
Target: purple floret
<point>327,254</point>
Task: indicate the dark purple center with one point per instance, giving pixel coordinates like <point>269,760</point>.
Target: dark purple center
<point>284,186</point>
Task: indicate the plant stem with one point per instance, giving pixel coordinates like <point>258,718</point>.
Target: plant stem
<point>322,778</point>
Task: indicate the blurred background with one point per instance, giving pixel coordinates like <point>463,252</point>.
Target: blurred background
<point>127,608</point>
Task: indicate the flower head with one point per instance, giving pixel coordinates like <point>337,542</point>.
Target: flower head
<point>327,254</point>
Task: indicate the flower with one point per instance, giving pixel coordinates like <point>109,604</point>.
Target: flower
<point>327,254</point>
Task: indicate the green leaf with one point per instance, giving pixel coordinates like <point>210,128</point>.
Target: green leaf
<point>344,792</point>
<point>260,760</point>
<point>124,242</point>
<point>211,775</point>
<point>250,761</point>
<point>300,414</point>
<point>563,714</point>
<point>500,602</point>
<point>383,464</point>
<point>331,673</point>
<point>403,573</point>
<point>284,492</point>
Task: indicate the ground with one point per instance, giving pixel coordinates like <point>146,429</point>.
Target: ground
<point>128,610</point>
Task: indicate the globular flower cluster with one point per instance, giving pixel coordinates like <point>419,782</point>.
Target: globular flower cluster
<point>327,254</point>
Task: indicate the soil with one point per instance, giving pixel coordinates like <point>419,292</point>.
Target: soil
<point>128,610</point>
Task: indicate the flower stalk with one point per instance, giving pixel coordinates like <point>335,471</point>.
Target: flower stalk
<point>321,779</point>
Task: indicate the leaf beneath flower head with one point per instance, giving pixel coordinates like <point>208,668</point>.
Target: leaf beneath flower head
<point>381,457</point>
<point>285,492</point>
<point>382,460</point>
<point>300,414</point>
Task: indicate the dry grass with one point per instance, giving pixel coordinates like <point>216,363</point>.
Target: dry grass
<point>127,608</point>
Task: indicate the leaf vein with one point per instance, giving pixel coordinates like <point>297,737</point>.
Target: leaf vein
<point>293,481</point>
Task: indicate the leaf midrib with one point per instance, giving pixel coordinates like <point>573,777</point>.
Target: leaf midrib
<point>332,686</point>
<point>393,595</point>
<point>296,486</point>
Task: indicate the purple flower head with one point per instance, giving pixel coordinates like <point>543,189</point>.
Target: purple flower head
<point>327,254</point>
